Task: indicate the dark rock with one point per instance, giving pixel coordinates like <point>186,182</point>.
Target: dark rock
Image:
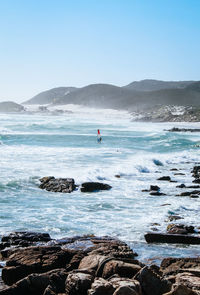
<point>152,283</point>
<point>94,186</point>
<point>61,185</point>
<point>24,239</point>
<point>195,192</point>
<point>34,260</point>
<point>173,169</point>
<point>155,193</point>
<point>171,266</point>
<point>179,173</point>
<point>180,229</point>
<point>194,196</point>
<point>154,188</point>
<point>165,178</point>
<point>175,129</point>
<point>182,185</point>
<point>117,176</point>
<point>171,238</point>
<point>189,280</point>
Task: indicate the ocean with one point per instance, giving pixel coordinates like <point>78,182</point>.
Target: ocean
<point>37,145</point>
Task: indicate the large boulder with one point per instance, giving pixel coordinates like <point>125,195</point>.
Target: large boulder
<point>94,186</point>
<point>61,185</point>
<point>78,283</point>
<point>152,283</point>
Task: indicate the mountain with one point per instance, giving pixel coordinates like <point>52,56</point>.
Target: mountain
<point>50,96</point>
<point>182,93</point>
<point>153,85</point>
<point>10,106</point>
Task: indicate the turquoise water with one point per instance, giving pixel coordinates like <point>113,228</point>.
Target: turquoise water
<point>37,145</point>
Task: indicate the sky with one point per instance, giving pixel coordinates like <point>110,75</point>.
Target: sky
<point>51,43</point>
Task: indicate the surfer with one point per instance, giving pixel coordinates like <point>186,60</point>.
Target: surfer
<point>99,138</point>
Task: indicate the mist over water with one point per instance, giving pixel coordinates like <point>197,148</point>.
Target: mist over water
<point>33,146</point>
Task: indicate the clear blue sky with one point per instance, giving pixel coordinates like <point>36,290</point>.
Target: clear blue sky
<point>51,43</point>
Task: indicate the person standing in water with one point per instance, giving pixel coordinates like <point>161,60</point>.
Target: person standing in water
<point>99,138</point>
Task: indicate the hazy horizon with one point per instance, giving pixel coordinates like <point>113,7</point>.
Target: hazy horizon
<point>48,44</point>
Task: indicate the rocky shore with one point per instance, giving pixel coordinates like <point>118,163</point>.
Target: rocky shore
<point>89,265</point>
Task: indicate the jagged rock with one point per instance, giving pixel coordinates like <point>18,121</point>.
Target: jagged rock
<point>152,283</point>
<point>23,239</point>
<point>101,286</point>
<point>61,185</point>
<point>121,268</point>
<point>195,192</point>
<point>181,290</point>
<point>189,280</point>
<point>124,283</point>
<point>78,283</point>
<point>34,260</point>
<point>94,186</point>
<point>165,178</point>
<point>171,266</point>
<point>171,238</point>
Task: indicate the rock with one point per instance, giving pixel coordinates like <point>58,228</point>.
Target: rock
<point>152,283</point>
<point>125,284</point>
<point>155,193</point>
<point>101,287</point>
<point>179,173</point>
<point>34,260</point>
<point>194,196</point>
<point>154,188</point>
<point>165,178</point>
<point>173,169</point>
<point>175,129</point>
<point>173,217</point>
<point>121,268</point>
<point>182,185</point>
<point>78,283</point>
<point>23,239</point>
<point>171,238</point>
<point>117,176</point>
<point>125,290</point>
<point>171,266</point>
<point>181,290</point>
<point>195,192</point>
<point>188,280</point>
<point>180,229</point>
<point>94,186</point>
<point>61,185</point>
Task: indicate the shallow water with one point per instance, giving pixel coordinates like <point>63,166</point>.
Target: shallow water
<point>33,146</point>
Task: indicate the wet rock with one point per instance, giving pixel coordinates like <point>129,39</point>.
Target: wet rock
<point>152,283</point>
<point>179,173</point>
<point>171,238</point>
<point>173,169</point>
<point>78,283</point>
<point>175,129</point>
<point>182,185</point>
<point>61,185</point>
<point>165,178</point>
<point>117,176</point>
<point>94,186</point>
<point>154,188</point>
<point>195,192</point>
<point>23,239</point>
<point>194,196</point>
<point>173,217</point>
<point>180,229</point>
<point>155,193</point>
